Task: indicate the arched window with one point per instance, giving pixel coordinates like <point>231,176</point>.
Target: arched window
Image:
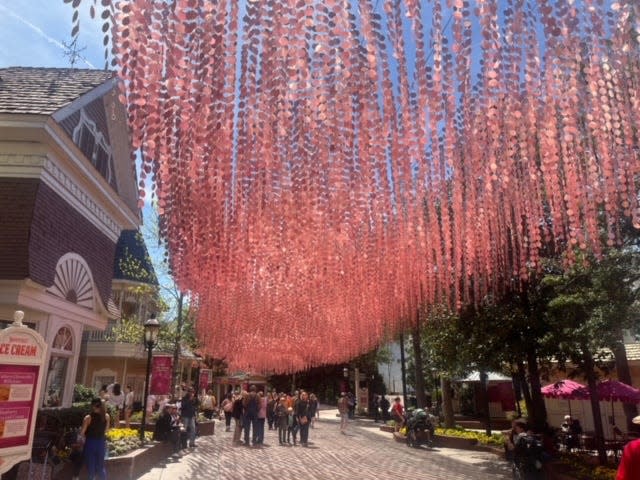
<point>63,340</point>
<point>61,353</point>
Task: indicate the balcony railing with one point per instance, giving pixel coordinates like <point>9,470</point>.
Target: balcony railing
<point>105,335</point>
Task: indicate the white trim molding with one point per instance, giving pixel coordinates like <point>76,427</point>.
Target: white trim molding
<point>77,197</point>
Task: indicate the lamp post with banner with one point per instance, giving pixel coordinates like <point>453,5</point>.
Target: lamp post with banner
<point>151,331</point>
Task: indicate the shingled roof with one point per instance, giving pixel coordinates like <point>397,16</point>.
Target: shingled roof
<point>44,91</point>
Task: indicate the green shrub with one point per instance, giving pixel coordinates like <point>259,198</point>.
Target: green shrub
<point>82,393</point>
<point>584,470</point>
<point>70,418</point>
<point>495,439</point>
<point>136,417</point>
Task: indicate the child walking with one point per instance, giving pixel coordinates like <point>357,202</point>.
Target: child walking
<point>293,426</point>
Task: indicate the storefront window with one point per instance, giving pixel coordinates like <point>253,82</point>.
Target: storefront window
<point>61,353</point>
<point>55,381</point>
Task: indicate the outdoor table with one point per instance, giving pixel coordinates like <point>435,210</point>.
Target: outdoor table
<point>588,442</point>
<point>615,446</point>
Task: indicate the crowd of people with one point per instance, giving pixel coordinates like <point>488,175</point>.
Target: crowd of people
<point>120,402</point>
<point>251,411</point>
<point>288,414</point>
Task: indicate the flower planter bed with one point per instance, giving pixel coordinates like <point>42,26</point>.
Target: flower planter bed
<point>136,426</point>
<point>128,466</point>
<point>132,465</point>
<point>444,442</point>
<point>455,442</point>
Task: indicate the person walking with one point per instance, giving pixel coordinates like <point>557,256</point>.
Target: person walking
<point>313,409</point>
<point>209,403</point>
<point>272,403</point>
<point>237,413</point>
<point>227,409</point>
<point>188,410</point>
<point>303,416</point>
<point>292,430</point>
<point>343,408</point>
<point>282,420</point>
<point>258,435</point>
<point>94,429</point>
<point>251,405</point>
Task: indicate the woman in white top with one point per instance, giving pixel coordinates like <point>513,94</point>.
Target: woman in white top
<point>116,400</point>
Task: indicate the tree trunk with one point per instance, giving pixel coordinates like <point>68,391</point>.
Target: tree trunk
<point>538,414</point>
<point>447,402</point>
<point>403,369</point>
<point>176,347</point>
<point>624,375</point>
<point>595,403</point>
<point>524,387</point>
<point>484,385</point>
<point>421,398</point>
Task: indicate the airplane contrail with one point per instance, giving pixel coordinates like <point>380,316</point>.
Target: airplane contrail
<point>41,33</point>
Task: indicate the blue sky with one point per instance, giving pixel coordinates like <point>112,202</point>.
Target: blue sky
<point>32,33</point>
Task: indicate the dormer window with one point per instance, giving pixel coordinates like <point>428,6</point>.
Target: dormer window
<point>94,147</point>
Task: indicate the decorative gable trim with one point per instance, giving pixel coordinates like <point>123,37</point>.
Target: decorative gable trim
<point>84,100</point>
<point>73,281</point>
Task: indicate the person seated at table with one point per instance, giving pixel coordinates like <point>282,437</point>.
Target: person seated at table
<point>572,430</point>
<point>168,427</point>
<point>162,431</point>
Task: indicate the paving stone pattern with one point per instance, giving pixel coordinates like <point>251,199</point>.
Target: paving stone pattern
<point>362,454</point>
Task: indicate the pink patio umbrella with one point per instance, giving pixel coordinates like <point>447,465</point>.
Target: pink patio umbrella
<point>566,389</point>
<point>616,391</point>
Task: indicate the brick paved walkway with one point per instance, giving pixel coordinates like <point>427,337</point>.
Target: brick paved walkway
<point>364,454</point>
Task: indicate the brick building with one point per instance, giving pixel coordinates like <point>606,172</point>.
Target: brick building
<point>67,191</point>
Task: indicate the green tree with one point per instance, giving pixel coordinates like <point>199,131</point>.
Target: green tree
<point>594,301</point>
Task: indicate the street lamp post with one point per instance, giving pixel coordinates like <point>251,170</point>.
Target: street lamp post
<point>151,330</point>
<point>345,375</point>
<point>484,381</point>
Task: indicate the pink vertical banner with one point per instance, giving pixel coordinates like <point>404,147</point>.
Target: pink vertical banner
<point>204,380</point>
<point>161,375</point>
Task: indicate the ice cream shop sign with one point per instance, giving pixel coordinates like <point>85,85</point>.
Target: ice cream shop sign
<point>22,355</point>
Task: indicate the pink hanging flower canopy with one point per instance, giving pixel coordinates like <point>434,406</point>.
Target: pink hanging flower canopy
<point>324,167</point>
